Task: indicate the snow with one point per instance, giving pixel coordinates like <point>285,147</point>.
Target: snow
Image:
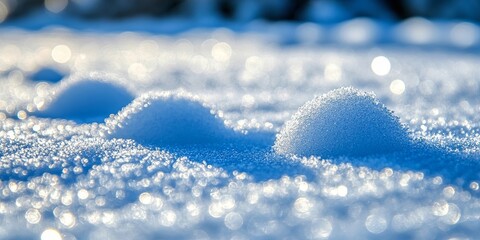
<point>168,118</point>
<point>48,75</point>
<point>175,137</point>
<point>343,122</point>
<point>87,99</point>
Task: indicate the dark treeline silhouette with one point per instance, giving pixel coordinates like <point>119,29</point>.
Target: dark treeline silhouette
<point>324,11</point>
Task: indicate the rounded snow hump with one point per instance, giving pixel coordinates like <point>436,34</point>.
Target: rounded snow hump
<point>343,122</point>
<point>168,118</point>
<point>87,98</point>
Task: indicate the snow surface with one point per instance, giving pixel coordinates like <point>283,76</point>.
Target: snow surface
<point>93,170</point>
<point>343,122</point>
<point>168,119</point>
<point>86,99</point>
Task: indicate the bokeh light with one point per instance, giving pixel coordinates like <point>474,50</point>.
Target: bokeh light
<point>332,72</point>
<point>61,53</point>
<point>221,52</point>
<point>33,216</point>
<point>51,234</point>
<point>380,65</point>
<point>397,87</point>
<point>376,224</point>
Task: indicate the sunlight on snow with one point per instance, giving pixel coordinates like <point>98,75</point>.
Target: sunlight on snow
<point>258,84</point>
<point>397,87</point>
<point>376,224</point>
<point>61,53</point>
<point>137,71</point>
<point>33,216</point>
<point>233,221</point>
<point>67,219</point>
<point>82,194</point>
<point>380,65</point>
<point>51,234</point>
<point>474,186</point>
<point>221,52</point>
<point>332,72</point>
<point>10,55</point>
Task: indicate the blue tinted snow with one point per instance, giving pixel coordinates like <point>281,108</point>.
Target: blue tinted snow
<point>167,118</point>
<point>47,74</point>
<point>87,99</point>
<point>343,122</point>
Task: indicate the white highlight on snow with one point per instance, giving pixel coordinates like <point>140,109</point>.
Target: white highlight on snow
<point>254,65</point>
<point>321,228</point>
<point>343,122</point>
<point>10,56</point>
<point>67,219</point>
<point>453,215</point>
<point>342,191</point>
<point>397,87</point>
<point>51,234</point>
<point>137,71</point>
<point>22,115</point>
<point>33,216</point>
<point>380,65</point>
<point>143,191</point>
<point>82,194</point>
<point>440,208</point>
<point>199,64</point>
<point>248,101</point>
<point>233,221</point>
<point>474,186</point>
<point>168,218</point>
<point>221,52</point>
<point>146,198</point>
<point>332,72</point>
<point>376,224</point>
<point>61,53</point>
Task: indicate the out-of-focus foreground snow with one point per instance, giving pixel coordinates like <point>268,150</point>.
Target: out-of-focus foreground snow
<point>191,154</point>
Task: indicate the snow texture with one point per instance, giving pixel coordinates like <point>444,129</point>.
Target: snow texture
<point>89,98</point>
<point>168,118</point>
<point>343,122</point>
<point>169,165</point>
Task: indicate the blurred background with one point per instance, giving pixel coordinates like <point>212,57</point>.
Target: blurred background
<point>320,11</point>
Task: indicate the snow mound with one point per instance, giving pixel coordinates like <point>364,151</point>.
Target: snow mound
<point>87,99</point>
<point>343,122</point>
<point>47,74</point>
<point>168,118</point>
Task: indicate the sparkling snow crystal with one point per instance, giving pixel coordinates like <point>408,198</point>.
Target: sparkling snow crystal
<point>343,122</point>
<point>169,166</point>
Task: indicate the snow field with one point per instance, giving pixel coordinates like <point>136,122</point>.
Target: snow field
<point>150,161</point>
